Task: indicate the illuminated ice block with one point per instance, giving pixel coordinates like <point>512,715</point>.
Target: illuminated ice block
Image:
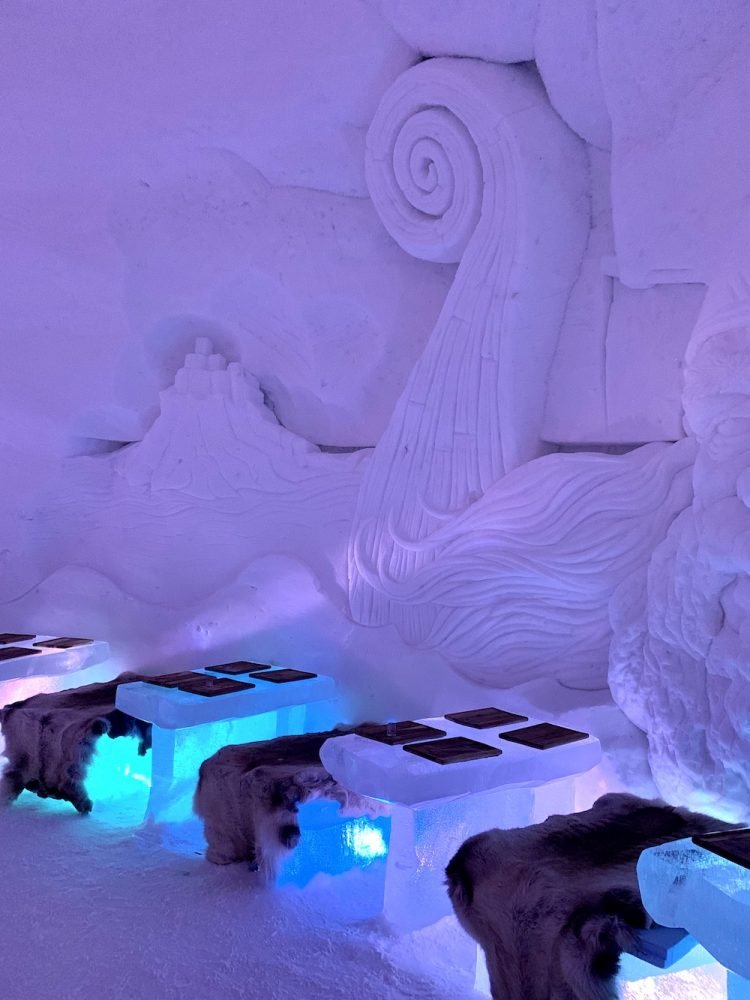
<point>118,781</point>
<point>683,885</point>
<point>26,655</point>
<point>434,808</point>
<point>188,728</point>
<point>424,838</point>
<point>170,708</point>
<point>332,843</point>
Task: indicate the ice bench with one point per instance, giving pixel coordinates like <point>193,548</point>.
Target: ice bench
<point>523,775</point>
<point>25,654</point>
<point>194,713</point>
<point>684,884</point>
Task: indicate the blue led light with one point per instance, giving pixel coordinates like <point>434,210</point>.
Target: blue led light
<point>332,844</point>
<point>365,840</point>
<point>118,781</point>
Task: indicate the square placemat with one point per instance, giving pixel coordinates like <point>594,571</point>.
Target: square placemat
<point>454,750</point>
<point>544,736</point>
<point>395,734</point>
<point>485,718</point>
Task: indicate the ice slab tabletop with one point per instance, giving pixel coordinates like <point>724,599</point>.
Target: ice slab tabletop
<point>170,708</point>
<point>683,885</point>
<point>393,775</point>
<point>26,655</point>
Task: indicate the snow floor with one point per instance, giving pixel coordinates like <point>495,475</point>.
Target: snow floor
<point>96,908</point>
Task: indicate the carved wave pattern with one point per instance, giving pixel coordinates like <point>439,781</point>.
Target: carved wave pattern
<point>521,581</point>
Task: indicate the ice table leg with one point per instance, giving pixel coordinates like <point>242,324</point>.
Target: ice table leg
<point>177,755</point>
<point>554,798</point>
<point>332,843</point>
<point>425,838</point>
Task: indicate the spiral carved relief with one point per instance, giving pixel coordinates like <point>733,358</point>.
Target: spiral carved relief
<point>464,537</point>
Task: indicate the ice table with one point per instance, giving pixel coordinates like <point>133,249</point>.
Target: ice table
<point>683,885</point>
<point>27,669</point>
<point>187,728</point>
<point>23,654</point>
<point>434,807</point>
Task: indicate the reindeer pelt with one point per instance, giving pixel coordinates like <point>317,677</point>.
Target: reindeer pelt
<point>248,797</point>
<point>50,740</point>
<point>554,905</point>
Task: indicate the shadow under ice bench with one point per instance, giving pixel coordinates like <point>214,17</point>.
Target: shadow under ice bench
<point>194,713</point>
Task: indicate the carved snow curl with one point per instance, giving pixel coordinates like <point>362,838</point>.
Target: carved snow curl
<point>507,575</point>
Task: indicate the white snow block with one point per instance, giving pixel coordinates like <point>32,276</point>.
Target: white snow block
<point>676,79</point>
<point>566,52</point>
<point>497,30</point>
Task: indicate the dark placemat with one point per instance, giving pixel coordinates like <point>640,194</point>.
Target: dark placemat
<point>485,718</point>
<point>454,750</point>
<point>394,734</point>
<point>544,736</point>
<point>64,642</point>
<point>284,676</point>
<point>11,652</point>
<point>732,845</point>
<point>173,680</point>
<point>14,637</point>
<point>210,687</point>
<point>239,667</point>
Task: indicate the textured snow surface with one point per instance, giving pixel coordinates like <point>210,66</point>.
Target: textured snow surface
<point>497,30</point>
<point>677,83</point>
<point>98,912</point>
<point>173,172</point>
<point>679,656</point>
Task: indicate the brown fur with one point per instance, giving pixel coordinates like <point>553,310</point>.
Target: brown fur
<point>248,796</point>
<point>50,740</point>
<point>554,905</point>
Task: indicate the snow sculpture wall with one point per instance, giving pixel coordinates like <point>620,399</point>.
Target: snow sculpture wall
<point>587,194</point>
<point>680,658</point>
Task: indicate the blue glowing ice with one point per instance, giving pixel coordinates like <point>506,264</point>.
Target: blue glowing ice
<point>331,843</point>
<point>683,885</point>
<point>188,728</point>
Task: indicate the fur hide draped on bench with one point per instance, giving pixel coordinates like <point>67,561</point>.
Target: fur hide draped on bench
<point>248,797</point>
<point>50,740</point>
<point>554,905</point>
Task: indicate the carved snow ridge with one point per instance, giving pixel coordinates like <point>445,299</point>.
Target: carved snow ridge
<point>215,436</point>
<point>681,646</point>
